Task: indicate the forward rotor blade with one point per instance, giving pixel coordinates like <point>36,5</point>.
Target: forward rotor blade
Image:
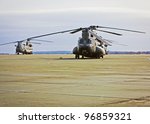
<point>121,29</point>
<point>10,43</point>
<point>30,38</point>
<point>109,32</point>
<point>77,30</point>
<point>42,40</point>
<point>7,43</point>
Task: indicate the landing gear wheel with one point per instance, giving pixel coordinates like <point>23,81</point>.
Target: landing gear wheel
<point>98,56</point>
<point>77,56</point>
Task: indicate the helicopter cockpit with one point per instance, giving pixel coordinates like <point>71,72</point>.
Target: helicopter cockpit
<point>84,42</point>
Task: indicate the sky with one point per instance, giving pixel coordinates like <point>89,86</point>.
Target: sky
<point>20,19</point>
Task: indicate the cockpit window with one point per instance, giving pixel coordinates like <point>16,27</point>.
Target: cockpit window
<point>81,41</point>
<point>88,41</point>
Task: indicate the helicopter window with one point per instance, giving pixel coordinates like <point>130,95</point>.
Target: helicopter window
<point>81,42</point>
<point>30,45</point>
<point>88,41</point>
<point>85,41</point>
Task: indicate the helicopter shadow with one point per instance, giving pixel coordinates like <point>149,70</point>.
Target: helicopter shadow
<point>75,59</point>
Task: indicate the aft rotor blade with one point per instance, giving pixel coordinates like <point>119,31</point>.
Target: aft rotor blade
<point>35,43</point>
<point>99,38</point>
<point>109,32</point>
<point>114,42</point>
<point>121,29</point>
<point>30,38</point>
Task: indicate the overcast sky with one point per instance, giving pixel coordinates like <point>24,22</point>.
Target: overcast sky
<point>20,19</point>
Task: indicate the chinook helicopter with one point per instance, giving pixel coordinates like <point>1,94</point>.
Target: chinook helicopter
<point>25,46</point>
<point>90,44</point>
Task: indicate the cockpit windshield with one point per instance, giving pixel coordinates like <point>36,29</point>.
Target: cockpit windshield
<point>82,41</point>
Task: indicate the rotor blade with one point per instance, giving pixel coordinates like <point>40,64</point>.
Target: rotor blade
<point>51,34</point>
<point>41,40</point>
<point>10,42</point>
<point>114,42</point>
<point>109,32</point>
<point>35,43</point>
<point>110,41</point>
<point>107,42</point>
<point>120,44</point>
<point>99,38</point>
<point>77,30</point>
<point>120,29</point>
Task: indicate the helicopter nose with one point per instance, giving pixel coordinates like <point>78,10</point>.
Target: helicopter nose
<point>84,49</point>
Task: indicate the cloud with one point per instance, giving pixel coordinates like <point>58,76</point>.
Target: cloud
<point>24,18</point>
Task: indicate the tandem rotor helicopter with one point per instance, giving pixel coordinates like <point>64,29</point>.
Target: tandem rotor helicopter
<point>89,44</point>
<point>25,46</point>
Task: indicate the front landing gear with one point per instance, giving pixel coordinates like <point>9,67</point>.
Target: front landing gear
<point>98,56</point>
<point>77,56</point>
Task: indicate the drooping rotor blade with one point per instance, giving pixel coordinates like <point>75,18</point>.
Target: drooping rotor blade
<point>114,42</point>
<point>106,42</point>
<point>121,29</point>
<point>120,44</point>
<point>7,43</point>
<point>100,38</point>
<point>77,30</point>
<point>35,43</point>
<point>11,42</point>
<point>42,40</point>
<point>30,38</point>
<point>109,32</point>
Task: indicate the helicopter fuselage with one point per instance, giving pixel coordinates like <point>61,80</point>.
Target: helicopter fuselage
<point>89,49</point>
<point>88,46</point>
<point>24,48</point>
